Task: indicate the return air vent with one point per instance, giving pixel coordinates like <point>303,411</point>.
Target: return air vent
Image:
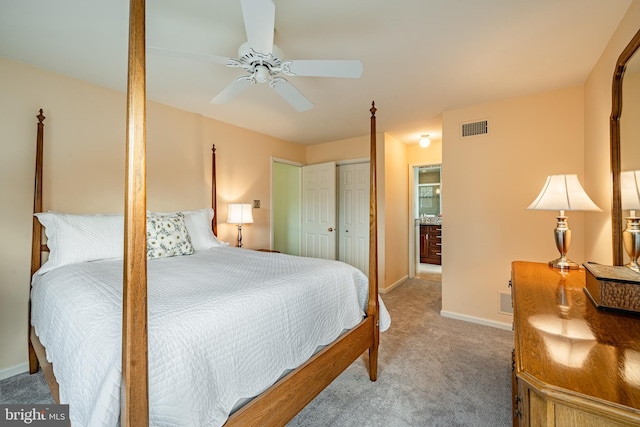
<point>505,305</point>
<point>474,128</point>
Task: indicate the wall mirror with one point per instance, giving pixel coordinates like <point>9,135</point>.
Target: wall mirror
<point>625,133</point>
<point>429,203</point>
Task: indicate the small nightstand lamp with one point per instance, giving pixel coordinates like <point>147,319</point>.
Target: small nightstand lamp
<point>563,193</point>
<point>630,185</point>
<point>240,213</point>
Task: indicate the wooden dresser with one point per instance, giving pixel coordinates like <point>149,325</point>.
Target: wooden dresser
<point>431,243</point>
<point>573,365</point>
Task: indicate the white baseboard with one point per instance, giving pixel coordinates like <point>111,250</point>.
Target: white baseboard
<point>472,319</point>
<point>14,370</point>
<point>393,285</point>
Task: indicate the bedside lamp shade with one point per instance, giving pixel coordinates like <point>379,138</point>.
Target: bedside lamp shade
<point>630,186</point>
<point>240,213</point>
<point>563,193</point>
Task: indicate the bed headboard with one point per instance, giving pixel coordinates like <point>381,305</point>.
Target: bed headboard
<point>37,246</point>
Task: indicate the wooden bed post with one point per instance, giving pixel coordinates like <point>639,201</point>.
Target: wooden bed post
<point>373,305</point>
<point>283,400</point>
<point>214,201</point>
<point>36,237</point>
<point>134,410</point>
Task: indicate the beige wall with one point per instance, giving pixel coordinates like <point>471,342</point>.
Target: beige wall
<point>396,224</point>
<point>596,143</point>
<point>431,155</point>
<point>345,149</point>
<point>84,169</point>
<point>243,175</point>
<point>488,183</point>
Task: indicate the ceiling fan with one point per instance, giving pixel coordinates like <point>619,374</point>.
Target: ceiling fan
<point>263,61</point>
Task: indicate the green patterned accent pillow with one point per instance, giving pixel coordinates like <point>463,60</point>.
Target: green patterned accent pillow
<point>167,236</point>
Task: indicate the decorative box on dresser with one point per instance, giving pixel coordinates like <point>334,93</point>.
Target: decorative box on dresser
<point>573,365</point>
<point>431,243</point>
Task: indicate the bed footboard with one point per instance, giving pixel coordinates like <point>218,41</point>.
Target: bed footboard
<point>47,368</point>
<point>282,401</point>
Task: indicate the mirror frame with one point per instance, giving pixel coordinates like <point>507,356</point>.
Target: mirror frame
<point>616,113</point>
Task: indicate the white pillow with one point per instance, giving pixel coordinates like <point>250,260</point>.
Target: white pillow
<point>198,224</point>
<point>75,238</point>
<point>167,236</point>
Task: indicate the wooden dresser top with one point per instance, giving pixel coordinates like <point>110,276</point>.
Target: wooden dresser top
<point>565,345</point>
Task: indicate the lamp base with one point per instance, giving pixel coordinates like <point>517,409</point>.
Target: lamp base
<point>562,235</point>
<point>239,235</point>
<point>631,240</point>
<point>564,264</point>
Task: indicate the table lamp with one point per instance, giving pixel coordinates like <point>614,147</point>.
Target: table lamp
<point>563,193</point>
<point>630,186</point>
<point>240,213</point>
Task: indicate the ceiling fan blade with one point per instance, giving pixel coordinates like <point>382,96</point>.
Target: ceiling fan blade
<point>234,89</point>
<point>323,68</point>
<point>259,20</point>
<point>291,94</point>
<point>188,55</point>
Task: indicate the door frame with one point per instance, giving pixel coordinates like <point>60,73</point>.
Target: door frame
<point>272,210</point>
<point>414,225</point>
<point>298,164</point>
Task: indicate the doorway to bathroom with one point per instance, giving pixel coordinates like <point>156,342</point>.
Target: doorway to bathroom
<point>427,222</point>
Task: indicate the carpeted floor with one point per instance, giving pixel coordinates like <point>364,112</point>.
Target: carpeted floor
<point>433,371</point>
<point>430,272</point>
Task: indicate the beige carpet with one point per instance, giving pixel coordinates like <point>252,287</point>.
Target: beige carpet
<point>433,371</point>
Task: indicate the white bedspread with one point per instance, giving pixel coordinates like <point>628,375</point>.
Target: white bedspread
<point>223,325</point>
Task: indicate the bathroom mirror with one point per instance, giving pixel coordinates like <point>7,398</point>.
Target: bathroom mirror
<point>625,133</point>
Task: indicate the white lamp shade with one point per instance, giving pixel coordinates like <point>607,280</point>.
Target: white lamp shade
<point>630,185</point>
<point>240,213</point>
<point>563,193</point>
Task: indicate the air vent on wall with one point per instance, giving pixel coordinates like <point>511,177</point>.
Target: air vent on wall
<point>505,305</point>
<point>474,128</point>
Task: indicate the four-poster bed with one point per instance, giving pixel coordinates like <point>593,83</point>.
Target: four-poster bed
<point>276,404</point>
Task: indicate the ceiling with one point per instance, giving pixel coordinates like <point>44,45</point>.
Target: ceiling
<point>420,57</point>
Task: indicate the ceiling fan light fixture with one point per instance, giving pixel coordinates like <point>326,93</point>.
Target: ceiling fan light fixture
<point>424,141</point>
<point>263,61</point>
<point>262,73</point>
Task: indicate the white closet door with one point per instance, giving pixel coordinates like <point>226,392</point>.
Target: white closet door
<point>319,210</point>
<point>353,213</point>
